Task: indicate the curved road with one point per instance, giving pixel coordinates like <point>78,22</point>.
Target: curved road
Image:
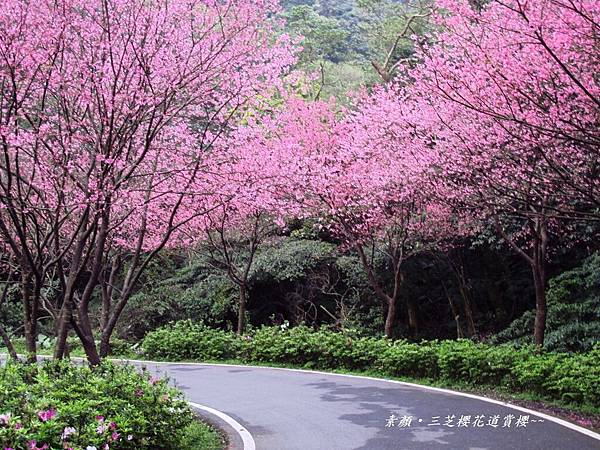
<point>300,410</point>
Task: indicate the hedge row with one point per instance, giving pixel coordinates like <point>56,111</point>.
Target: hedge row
<point>573,378</point>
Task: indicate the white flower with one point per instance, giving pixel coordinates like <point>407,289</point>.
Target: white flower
<point>129,437</point>
<point>68,431</point>
<point>91,447</point>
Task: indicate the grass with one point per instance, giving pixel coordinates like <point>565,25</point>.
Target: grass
<point>201,436</point>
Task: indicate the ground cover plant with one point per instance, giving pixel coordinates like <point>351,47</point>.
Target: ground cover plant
<point>65,406</point>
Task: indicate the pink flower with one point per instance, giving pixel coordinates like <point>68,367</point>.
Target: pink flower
<point>32,445</point>
<point>101,429</point>
<point>113,425</point>
<point>18,426</point>
<point>100,418</point>
<point>115,436</point>
<point>47,415</point>
<point>139,392</point>
<point>4,419</point>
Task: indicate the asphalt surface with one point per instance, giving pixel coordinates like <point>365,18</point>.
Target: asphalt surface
<point>287,410</point>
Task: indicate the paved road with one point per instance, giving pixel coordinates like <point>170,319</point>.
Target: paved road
<point>289,410</point>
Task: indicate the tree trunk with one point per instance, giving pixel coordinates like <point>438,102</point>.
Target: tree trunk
<point>3,333</point>
<point>8,344</point>
<point>466,298</point>
<point>242,310</point>
<point>87,340</point>
<point>106,305</point>
<point>469,315</point>
<point>30,308</point>
<point>113,320</point>
<point>390,318</point>
<point>84,332</point>
<point>538,263</point>
<point>413,320</point>
<point>456,314</point>
<point>540,305</point>
<point>90,350</point>
<point>62,328</point>
<point>104,346</point>
<point>107,331</point>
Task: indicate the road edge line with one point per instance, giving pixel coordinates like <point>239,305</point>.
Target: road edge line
<point>557,420</point>
<point>245,435</point>
<point>562,422</point>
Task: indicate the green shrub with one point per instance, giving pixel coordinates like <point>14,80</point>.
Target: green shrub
<point>59,405</point>
<point>576,378</point>
<point>476,364</point>
<point>299,346</point>
<point>188,340</point>
<point>404,359</point>
<point>532,373</point>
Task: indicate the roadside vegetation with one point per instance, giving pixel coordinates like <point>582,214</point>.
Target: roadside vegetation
<point>573,379</point>
<point>58,405</point>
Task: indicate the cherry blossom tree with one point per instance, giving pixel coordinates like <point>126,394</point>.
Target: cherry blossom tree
<point>243,211</point>
<point>386,197</point>
<point>360,180</point>
<point>108,112</point>
<point>510,98</point>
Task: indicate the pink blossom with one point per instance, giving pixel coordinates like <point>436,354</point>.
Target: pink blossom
<point>32,445</point>
<point>47,415</point>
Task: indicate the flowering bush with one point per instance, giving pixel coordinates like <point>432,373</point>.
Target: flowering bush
<point>57,405</point>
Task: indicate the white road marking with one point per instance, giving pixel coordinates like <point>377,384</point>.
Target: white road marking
<point>247,438</point>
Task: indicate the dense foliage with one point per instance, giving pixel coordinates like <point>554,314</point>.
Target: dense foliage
<point>573,311</point>
<point>559,376</point>
<point>59,405</point>
<point>302,278</point>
